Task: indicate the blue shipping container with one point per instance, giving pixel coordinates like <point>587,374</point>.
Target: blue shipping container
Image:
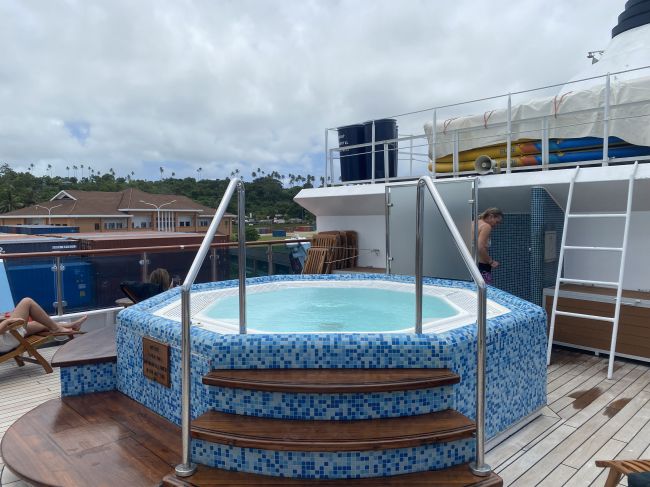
<point>38,281</point>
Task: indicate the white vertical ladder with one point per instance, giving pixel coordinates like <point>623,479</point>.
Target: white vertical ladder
<point>618,284</point>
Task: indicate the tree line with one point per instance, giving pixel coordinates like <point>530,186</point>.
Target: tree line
<point>267,195</point>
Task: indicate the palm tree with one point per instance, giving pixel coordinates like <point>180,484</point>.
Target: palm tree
<point>198,172</point>
<point>67,168</point>
<point>82,171</point>
<point>31,167</point>
<point>173,175</point>
<point>161,172</point>
<point>74,170</point>
<point>111,172</point>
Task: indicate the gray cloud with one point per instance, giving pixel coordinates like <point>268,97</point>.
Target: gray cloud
<point>241,84</point>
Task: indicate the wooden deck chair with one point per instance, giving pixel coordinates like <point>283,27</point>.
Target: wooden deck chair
<point>325,241</point>
<point>29,344</point>
<point>618,468</point>
<point>352,253</point>
<point>315,262</point>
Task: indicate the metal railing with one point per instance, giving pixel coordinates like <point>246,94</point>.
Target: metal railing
<point>431,142</point>
<point>479,467</point>
<point>142,257</point>
<point>187,468</point>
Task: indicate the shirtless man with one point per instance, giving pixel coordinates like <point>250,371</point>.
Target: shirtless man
<point>489,219</point>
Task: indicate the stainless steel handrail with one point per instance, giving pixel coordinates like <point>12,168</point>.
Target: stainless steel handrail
<point>478,467</point>
<point>187,468</point>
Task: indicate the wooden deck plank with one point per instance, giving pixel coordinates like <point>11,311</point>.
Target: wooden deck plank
<point>590,363</point>
<point>589,471</point>
<point>634,425</point>
<point>517,442</point>
<point>515,470</point>
<point>583,396</point>
<point>573,373</point>
<point>604,393</point>
<point>559,476</point>
<point>607,431</point>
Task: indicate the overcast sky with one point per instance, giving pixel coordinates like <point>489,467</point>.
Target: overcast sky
<point>219,84</point>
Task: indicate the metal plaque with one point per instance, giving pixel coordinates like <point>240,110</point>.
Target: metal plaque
<point>155,361</point>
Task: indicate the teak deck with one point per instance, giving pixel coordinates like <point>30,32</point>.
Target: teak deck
<point>588,418</point>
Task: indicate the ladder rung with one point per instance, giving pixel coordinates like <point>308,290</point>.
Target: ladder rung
<point>580,247</point>
<point>587,281</point>
<point>587,317</point>
<point>597,215</point>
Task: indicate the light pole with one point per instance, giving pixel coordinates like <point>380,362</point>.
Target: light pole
<point>49,212</point>
<point>158,207</point>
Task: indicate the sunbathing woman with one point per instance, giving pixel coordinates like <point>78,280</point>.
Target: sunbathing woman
<point>26,309</point>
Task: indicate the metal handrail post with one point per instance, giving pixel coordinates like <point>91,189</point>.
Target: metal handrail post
<point>59,287</point>
<point>331,174</point>
<point>545,144</point>
<point>213,264</point>
<point>145,267</point>
<point>410,157</point>
<point>478,467</point>
<point>187,468</point>
<point>372,154</point>
<point>419,261</point>
<point>433,143</point>
<point>606,121</point>
<point>241,236</point>
<point>327,153</point>
<point>509,136</point>
<point>456,163</point>
<point>269,258</point>
<point>386,173</point>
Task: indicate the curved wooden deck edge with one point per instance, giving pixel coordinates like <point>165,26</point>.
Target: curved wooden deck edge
<point>452,477</point>
<point>101,439</point>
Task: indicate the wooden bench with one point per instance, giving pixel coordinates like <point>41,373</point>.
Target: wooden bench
<point>95,347</point>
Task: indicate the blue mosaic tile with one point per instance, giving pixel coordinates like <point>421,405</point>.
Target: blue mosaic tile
<point>546,216</point>
<point>331,406</point>
<point>515,378</point>
<point>85,379</point>
<point>334,465</point>
<point>510,247</point>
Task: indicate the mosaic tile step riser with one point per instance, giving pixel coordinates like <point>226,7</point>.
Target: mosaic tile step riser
<point>331,406</point>
<point>332,465</point>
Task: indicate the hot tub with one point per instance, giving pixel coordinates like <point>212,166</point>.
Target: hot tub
<point>515,368</point>
<point>332,306</point>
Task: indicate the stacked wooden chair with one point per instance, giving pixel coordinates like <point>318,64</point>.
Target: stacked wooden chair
<point>331,250</point>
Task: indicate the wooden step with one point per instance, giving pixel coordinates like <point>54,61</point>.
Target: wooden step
<point>451,477</point>
<point>330,381</point>
<point>331,435</point>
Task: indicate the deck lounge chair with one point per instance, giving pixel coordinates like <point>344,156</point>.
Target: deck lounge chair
<point>618,468</point>
<point>29,344</point>
<point>139,291</point>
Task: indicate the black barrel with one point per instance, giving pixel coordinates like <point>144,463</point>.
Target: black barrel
<point>351,160</point>
<point>385,129</point>
<point>636,14</point>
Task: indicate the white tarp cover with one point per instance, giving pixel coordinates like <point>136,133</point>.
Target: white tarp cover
<point>569,115</point>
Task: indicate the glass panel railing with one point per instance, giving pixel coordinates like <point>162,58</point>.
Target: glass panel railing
<point>91,279</point>
<point>106,273</point>
<point>34,278</point>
